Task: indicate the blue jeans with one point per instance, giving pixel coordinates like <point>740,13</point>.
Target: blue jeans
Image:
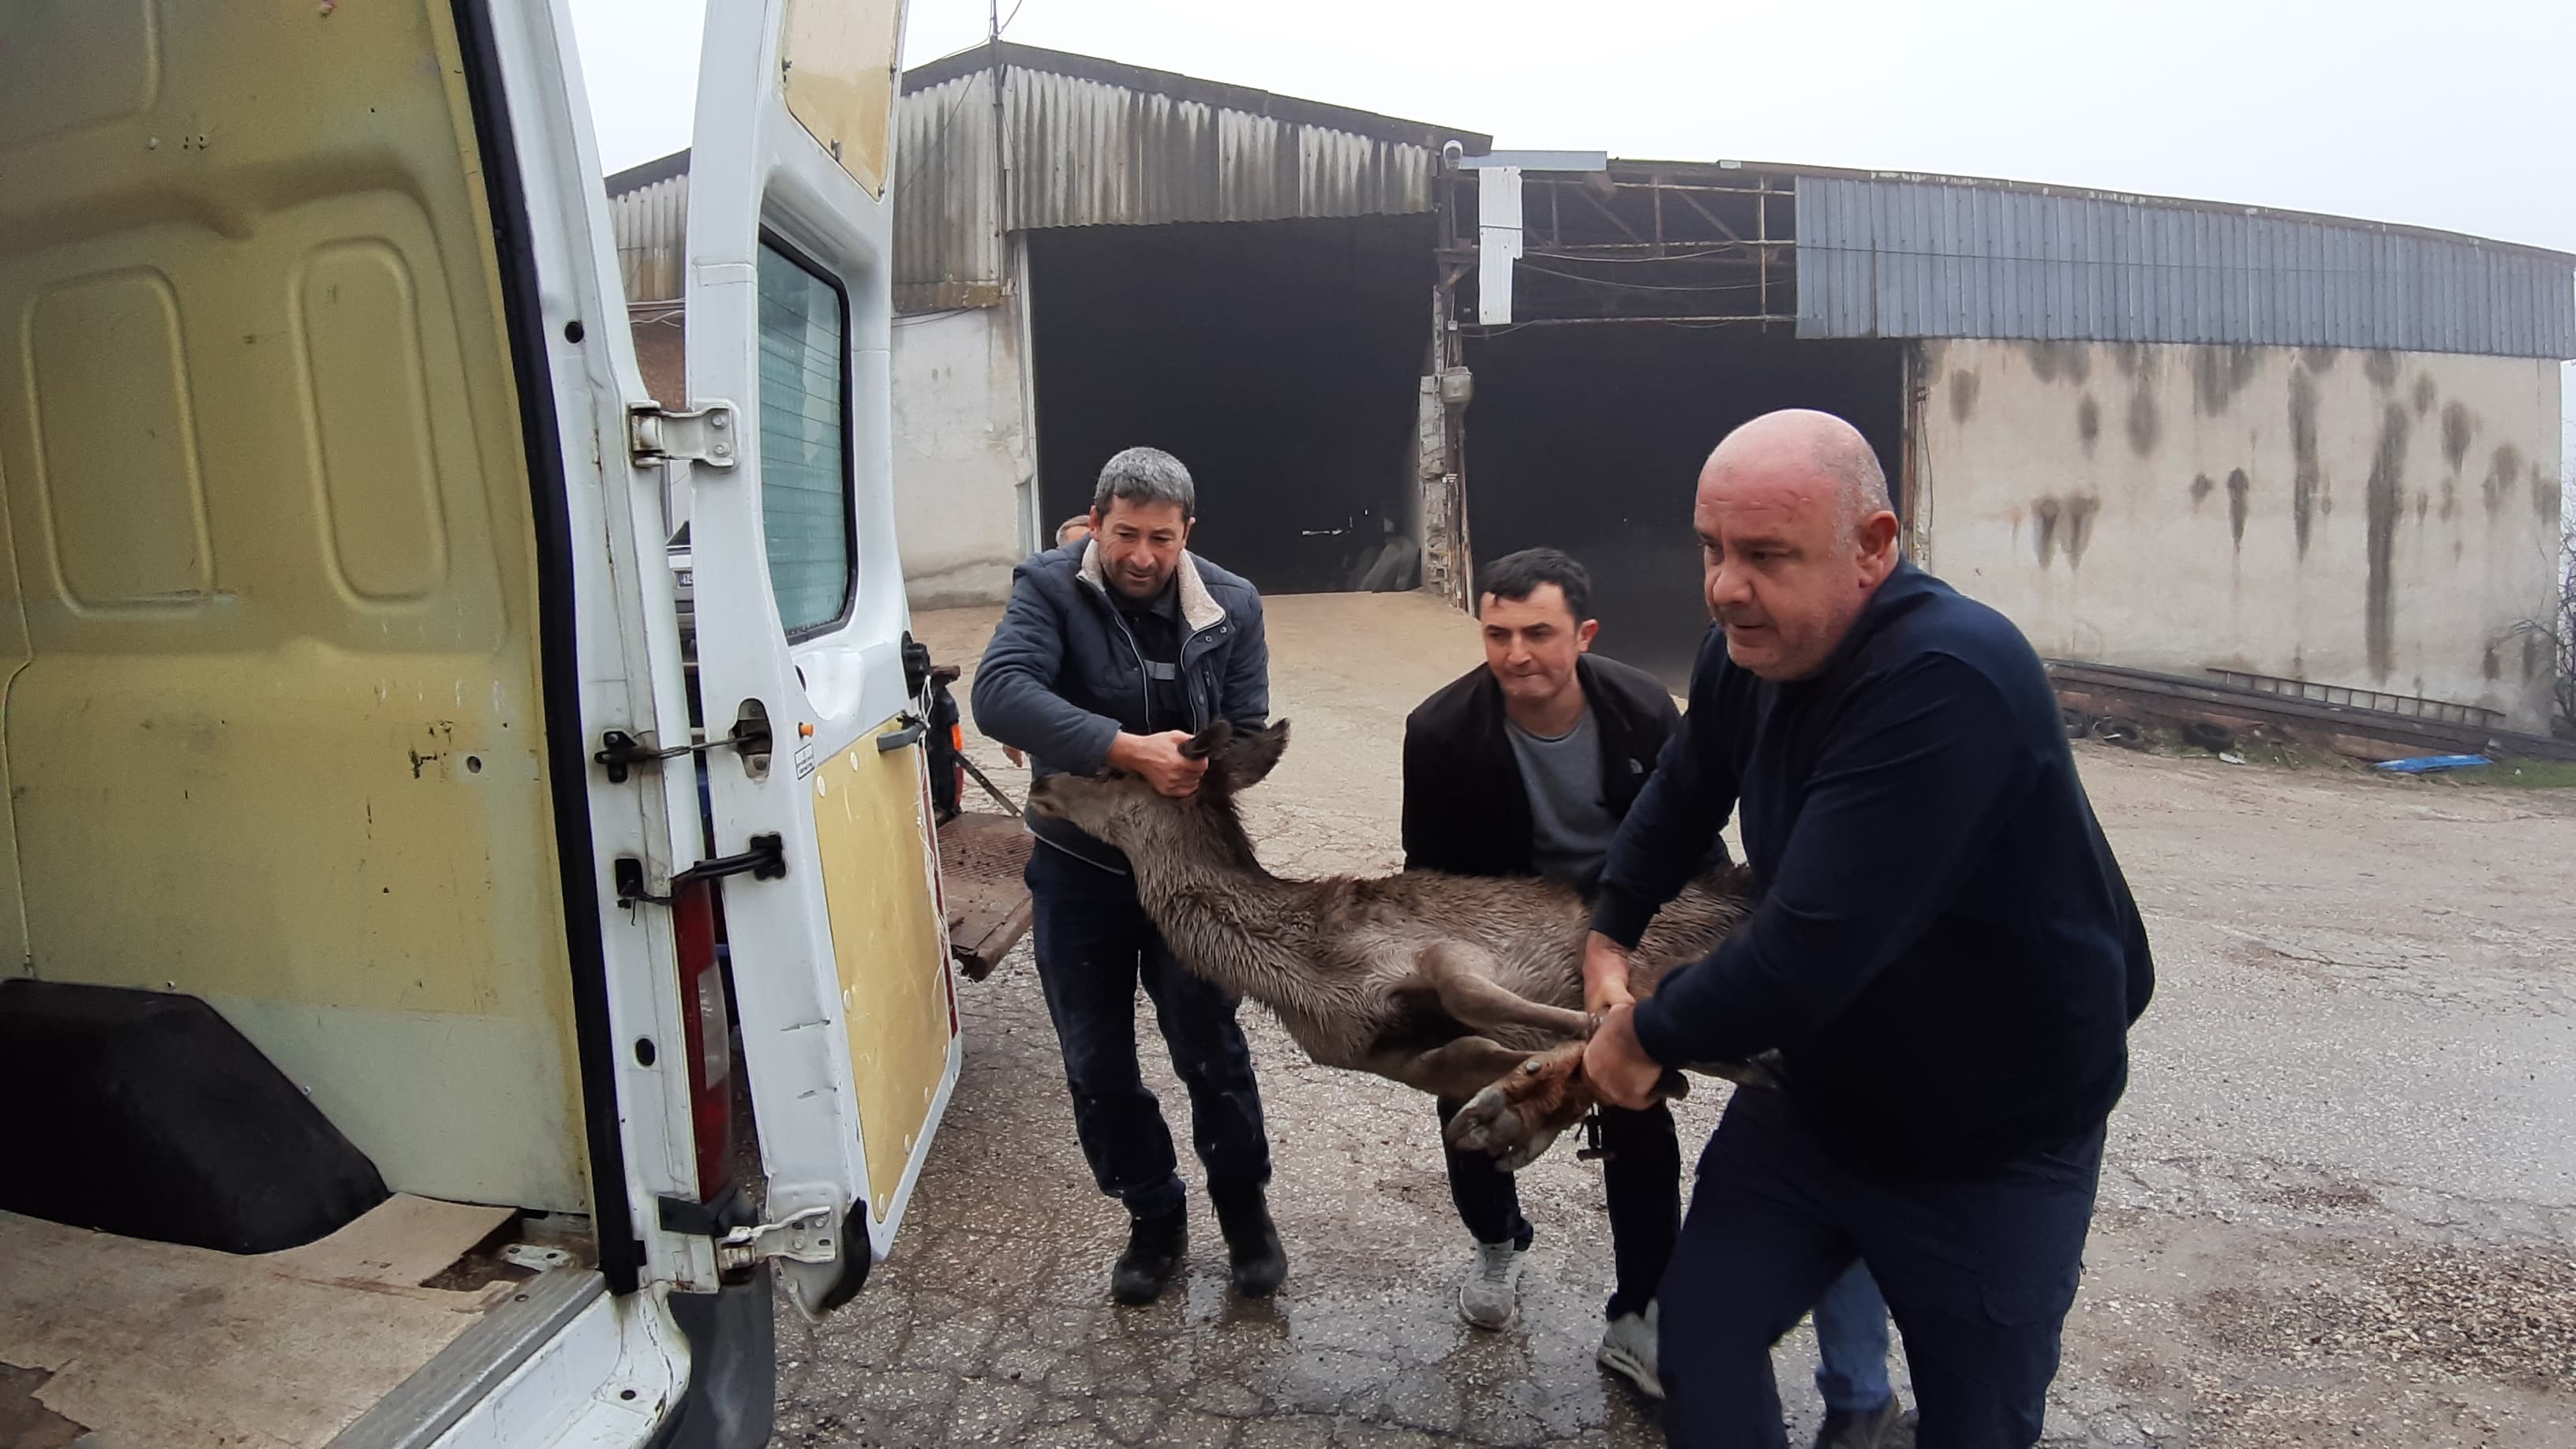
<point>1978,1273</point>
<point>1095,945</point>
<point>1851,1343</point>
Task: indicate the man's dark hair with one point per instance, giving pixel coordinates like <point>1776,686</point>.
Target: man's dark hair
<point>1516,576</point>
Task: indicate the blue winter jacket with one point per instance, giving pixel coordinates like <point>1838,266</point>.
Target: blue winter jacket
<point>1063,676</point>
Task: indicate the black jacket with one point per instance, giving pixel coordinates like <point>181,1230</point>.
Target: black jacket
<point>1063,674</point>
<point>1945,954</point>
<point>1466,810</point>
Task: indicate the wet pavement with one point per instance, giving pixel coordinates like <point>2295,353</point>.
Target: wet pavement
<point>2339,1205</point>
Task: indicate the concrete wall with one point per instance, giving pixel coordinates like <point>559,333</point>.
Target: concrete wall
<point>960,455</point>
<point>2363,518</point>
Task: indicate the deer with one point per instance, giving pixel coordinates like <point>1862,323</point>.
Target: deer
<point>1460,986</point>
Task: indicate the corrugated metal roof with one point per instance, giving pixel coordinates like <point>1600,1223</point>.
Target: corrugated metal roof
<point>947,251</point>
<point>1908,257</point>
<point>1095,143</point>
<point>651,224</point>
<point>1084,153</point>
<point>1091,143</point>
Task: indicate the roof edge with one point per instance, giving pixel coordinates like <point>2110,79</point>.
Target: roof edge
<point>637,177</point>
<point>1249,99</point>
<point>2087,193</point>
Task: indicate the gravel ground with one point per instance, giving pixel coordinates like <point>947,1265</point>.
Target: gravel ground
<point>2339,1207</point>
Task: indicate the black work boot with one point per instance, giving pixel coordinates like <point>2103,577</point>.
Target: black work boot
<point>1251,1240</point>
<point>1859,1429</point>
<point>1154,1248</point>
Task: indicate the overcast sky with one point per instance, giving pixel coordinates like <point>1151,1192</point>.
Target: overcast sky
<point>2450,115</point>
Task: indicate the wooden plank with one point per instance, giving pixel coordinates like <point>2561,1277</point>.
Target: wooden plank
<point>151,1343</point>
<point>981,857</point>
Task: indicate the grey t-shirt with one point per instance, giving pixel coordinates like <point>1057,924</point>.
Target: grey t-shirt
<point>1570,824</point>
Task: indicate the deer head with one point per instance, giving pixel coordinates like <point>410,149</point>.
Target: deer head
<point>1124,811</point>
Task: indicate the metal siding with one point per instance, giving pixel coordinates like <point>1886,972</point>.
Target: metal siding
<point>1088,153</point>
<point>1961,260</point>
<point>651,227</point>
<point>947,252</point>
<point>1083,152</point>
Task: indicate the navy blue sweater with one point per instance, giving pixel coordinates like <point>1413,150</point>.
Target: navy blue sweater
<point>1945,953</point>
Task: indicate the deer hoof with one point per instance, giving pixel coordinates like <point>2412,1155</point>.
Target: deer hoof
<point>1527,1152</point>
<point>1487,1123</point>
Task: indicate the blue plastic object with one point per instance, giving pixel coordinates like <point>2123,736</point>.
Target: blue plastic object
<point>2434,764</point>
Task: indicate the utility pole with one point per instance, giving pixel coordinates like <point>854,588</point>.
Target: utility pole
<point>1001,161</point>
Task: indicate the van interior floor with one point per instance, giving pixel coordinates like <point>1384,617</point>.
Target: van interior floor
<point>148,1343</point>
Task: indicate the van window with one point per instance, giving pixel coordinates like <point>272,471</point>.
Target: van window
<point>804,442</point>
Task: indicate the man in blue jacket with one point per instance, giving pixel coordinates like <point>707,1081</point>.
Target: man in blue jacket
<point>1114,651</point>
<point>1945,954</point>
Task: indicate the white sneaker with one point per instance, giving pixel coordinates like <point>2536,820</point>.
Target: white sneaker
<point>1628,1350</point>
<point>1491,1296</point>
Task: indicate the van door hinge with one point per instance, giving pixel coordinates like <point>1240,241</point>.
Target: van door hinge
<point>620,751</point>
<point>743,1242</point>
<point>803,1237</point>
<point>704,434</point>
<point>765,860</point>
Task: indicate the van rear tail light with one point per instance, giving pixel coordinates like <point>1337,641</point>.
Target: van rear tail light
<point>707,1035</point>
<point>957,743</point>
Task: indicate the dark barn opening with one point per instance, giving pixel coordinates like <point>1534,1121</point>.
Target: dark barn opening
<point>1279,360</point>
<point>1590,438</point>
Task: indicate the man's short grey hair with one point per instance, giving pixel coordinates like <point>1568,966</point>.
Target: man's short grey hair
<point>1839,452</point>
<point>1853,463</point>
<point>1146,476</point>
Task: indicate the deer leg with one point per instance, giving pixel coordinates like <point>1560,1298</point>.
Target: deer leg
<point>1453,1069</point>
<point>1518,1117</point>
<point>1481,1003</point>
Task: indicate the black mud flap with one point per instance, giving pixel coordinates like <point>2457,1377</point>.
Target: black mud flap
<point>732,1398</point>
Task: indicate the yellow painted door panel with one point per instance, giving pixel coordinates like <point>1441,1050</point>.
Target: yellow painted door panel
<point>880,885</point>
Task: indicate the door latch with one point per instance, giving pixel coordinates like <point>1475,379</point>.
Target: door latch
<point>620,752</point>
<point>765,860</point>
<point>803,1237</point>
<point>706,434</point>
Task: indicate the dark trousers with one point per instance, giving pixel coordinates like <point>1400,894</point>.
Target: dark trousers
<point>1643,1176</point>
<point>1094,945</point>
<point>1978,1275</point>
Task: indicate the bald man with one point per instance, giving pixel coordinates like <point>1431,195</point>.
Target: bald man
<point>1945,954</point>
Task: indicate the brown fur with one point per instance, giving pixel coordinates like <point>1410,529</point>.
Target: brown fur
<point>1455,985</point>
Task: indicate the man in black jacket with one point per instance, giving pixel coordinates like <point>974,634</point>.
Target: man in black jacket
<point>1945,954</point>
<point>1525,766</point>
<point>1115,649</point>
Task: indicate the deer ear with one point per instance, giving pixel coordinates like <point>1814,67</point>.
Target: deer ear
<point>1248,760</point>
<point>1207,742</point>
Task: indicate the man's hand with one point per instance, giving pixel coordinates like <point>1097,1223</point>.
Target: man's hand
<point>1605,974</point>
<point>1620,1071</point>
<point>1158,759</point>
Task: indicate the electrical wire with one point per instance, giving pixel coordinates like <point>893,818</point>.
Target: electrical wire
<point>1752,286</point>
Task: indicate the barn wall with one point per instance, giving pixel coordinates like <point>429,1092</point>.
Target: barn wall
<point>2376,519</point>
<point>959,455</point>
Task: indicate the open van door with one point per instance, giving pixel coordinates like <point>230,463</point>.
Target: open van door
<point>839,952</point>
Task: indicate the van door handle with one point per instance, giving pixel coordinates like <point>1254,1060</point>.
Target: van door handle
<point>913,728</point>
<point>766,860</point>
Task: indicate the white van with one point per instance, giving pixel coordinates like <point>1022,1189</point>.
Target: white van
<point>362,1005</point>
